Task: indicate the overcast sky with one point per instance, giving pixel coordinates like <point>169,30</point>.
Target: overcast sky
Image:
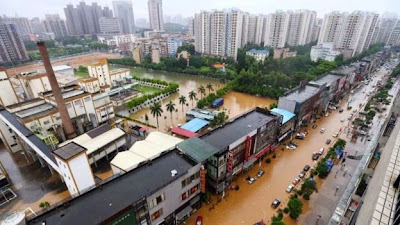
<point>37,8</point>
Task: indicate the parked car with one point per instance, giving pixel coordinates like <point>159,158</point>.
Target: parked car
<point>302,174</point>
<point>294,143</point>
<point>199,220</point>
<point>340,110</point>
<point>322,130</point>
<point>306,168</point>
<point>327,114</point>
<point>260,173</point>
<point>335,135</point>
<point>315,156</point>
<point>276,203</point>
<point>314,126</point>
<point>290,147</point>
<point>251,180</point>
<point>260,223</point>
<point>289,188</point>
<point>349,107</point>
<point>321,151</point>
<point>296,181</point>
<point>300,136</point>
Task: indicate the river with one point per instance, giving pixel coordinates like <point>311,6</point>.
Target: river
<point>235,103</point>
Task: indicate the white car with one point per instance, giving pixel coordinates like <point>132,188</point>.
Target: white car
<point>321,151</point>
<point>251,180</point>
<point>336,134</point>
<point>352,92</point>
<point>289,188</point>
<point>290,147</point>
<point>322,130</point>
<point>327,114</point>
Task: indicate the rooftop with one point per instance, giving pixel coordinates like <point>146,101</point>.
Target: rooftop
<point>255,51</point>
<point>118,70</point>
<point>101,62</point>
<point>197,149</point>
<point>344,70</point>
<point>286,114</point>
<point>194,125</point>
<point>115,195</point>
<point>25,103</point>
<point>182,132</point>
<point>36,111</point>
<point>68,151</point>
<point>223,136</point>
<point>202,114</point>
<point>87,79</point>
<point>328,79</point>
<point>301,94</point>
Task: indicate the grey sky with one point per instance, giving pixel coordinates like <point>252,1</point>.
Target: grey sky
<point>189,7</point>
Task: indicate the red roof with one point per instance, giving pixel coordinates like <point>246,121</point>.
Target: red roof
<point>143,129</point>
<point>183,133</point>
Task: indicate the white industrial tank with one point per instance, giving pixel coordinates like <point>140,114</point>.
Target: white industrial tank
<point>14,218</point>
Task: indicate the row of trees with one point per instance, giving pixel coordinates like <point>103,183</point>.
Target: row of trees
<point>322,168</point>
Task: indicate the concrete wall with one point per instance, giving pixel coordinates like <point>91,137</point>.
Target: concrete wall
<point>67,176</point>
<point>7,136</point>
<point>7,93</point>
<point>81,172</point>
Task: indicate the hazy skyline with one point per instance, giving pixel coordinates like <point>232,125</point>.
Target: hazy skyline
<point>25,8</point>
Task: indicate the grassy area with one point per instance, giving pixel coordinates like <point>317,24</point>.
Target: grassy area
<point>81,74</point>
<point>146,90</point>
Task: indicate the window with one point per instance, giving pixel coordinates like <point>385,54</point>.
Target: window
<point>15,144</point>
<point>46,122</point>
<point>68,105</point>
<point>87,99</point>
<point>157,200</point>
<point>78,103</point>
<point>190,192</point>
<point>184,196</point>
<point>156,214</point>
<point>190,179</point>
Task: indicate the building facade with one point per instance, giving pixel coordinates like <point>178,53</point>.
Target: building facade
<point>124,11</point>
<point>11,46</point>
<point>323,51</point>
<point>156,16</point>
<point>110,26</point>
<point>173,44</point>
<point>300,27</point>
<point>54,24</point>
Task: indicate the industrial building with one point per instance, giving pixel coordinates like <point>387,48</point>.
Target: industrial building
<point>109,78</point>
<point>7,92</point>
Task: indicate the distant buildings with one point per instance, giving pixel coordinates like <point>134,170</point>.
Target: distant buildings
<point>11,46</point>
<point>283,53</point>
<point>323,51</point>
<point>173,45</point>
<point>137,54</point>
<point>21,24</point>
<point>124,11</point>
<point>110,26</point>
<point>156,15</point>
<point>259,55</point>
<point>84,19</point>
<point>54,24</point>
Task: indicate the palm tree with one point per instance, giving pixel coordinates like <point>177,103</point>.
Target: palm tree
<point>146,118</point>
<point>171,108</point>
<point>156,110</point>
<point>192,96</point>
<point>182,101</point>
<point>201,90</point>
<point>210,88</point>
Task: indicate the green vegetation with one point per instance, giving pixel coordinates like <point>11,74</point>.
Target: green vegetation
<point>396,71</point>
<point>182,101</point>
<point>146,118</point>
<point>273,105</point>
<point>44,205</point>
<point>295,208</point>
<point>209,99</point>
<point>124,61</point>
<point>322,168</point>
<point>277,220</point>
<point>32,46</point>
<point>308,187</point>
<point>82,71</point>
<point>188,48</point>
<point>58,51</point>
<point>146,89</point>
<point>170,108</point>
<point>154,81</point>
<point>371,50</point>
<point>156,110</point>
<point>219,119</point>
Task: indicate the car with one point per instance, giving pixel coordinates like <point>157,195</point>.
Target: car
<point>290,147</point>
<point>275,203</point>
<point>363,132</point>
<point>352,92</point>
<point>302,174</point>
<point>322,130</point>
<point>300,136</point>
<point>289,188</point>
<point>340,110</point>
<point>335,135</point>
<point>294,143</point>
<point>321,151</point>
<point>251,180</point>
<point>314,126</point>
<point>306,168</point>
<point>260,173</point>
<point>315,156</point>
<point>296,181</point>
<point>199,220</point>
<point>327,114</point>
<point>260,223</point>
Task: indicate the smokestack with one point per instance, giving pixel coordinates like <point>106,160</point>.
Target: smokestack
<point>66,120</point>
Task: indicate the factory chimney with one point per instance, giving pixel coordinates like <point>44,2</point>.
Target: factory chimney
<point>66,120</point>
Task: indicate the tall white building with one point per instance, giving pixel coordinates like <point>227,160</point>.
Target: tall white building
<point>276,29</point>
<point>255,29</point>
<point>202,32</point>
<point>156,15</point>
<point>124,11</point>
<point>394,38</point>
<point>384,29</point>
<point>173,44</point>
<point>233,33</point>
<point>331,27</point>
<point>110,25</point>
<point>300,27</point>
<point>218,33</point>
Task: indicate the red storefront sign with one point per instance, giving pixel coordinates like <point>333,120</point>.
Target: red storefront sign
<point>262,152</point>
<point>247,150</point>
<point>203,179</point>
<point>230,161</point>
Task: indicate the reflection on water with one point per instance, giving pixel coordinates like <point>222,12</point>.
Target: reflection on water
<point>235,103</point>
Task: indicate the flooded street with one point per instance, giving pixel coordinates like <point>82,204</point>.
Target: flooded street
<point>235,103</point>
<point>252,202</point>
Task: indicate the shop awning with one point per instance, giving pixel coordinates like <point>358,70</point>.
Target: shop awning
<point>184,212</point>
<point>249,163</point>
<point>195,200</point>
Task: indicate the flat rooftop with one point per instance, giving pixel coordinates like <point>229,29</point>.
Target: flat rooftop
<point>197,149</point>
<point>301,94</point>
<point>344,70</point>
<point>103,202</point>
<point>25,103</point>
<point>68,151</point>
<point>36,111</point>
<point>223,136</point>
<point>328,79</point>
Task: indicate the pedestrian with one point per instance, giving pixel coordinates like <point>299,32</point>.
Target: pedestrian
<point>345,171</point>
<point>337,189</point>
<point>337,171</point>
<point>318,218</point>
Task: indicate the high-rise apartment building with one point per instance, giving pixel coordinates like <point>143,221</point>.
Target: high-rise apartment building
<point>110,25</point>
<point>54,24</point>
<point>218,33</point>
<point>276,29</point>
<point>331,27</point>
<point>202,32</point>
<point>84,19</point>
<point>11,46</point>
<point>124,11</point>
<point>173,44</point>
<point>300,27</point>
<point>36,25</point>
<point>156,15</point>
<point>383,29</point>
<point>21,24</point>
<point>252,29</point>
<point>234,33</point>
<point>394,38</point>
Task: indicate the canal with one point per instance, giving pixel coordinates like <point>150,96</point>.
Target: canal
<point>235,103</point>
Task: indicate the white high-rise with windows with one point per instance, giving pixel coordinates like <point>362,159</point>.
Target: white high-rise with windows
<point>276,28</point>
<point>300,27</point>
<point>233,33</point>
<point>331,27</point>
<point>156,15</point>
<point>394,38</point>
<point>202,32</point>
<point>218,33</point>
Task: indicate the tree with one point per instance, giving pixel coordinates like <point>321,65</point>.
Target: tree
<point>82,69</point>
<point>202,91</point>
<point>146,118</point>
<point>322,169</point>
<point>309,186</point>
<point>273,105</point>
<point>219,119</point>
<point>182,101</point>
<point>277,223</point>
<point>192,96</point>
<point>210,88</point>
<point>44,205</point>
<point>295,208</point>
<point>156,110</point>
<point>171,108</point>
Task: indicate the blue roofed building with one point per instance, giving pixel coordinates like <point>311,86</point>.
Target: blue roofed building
<point>259,55</point>
<point>288,123</point>
<point>195,125</point>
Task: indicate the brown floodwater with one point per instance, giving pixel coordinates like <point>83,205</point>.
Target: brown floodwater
<point>235,103</point>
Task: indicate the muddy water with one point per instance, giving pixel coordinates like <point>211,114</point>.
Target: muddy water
<point>235,103</point>
<point>253,202</point>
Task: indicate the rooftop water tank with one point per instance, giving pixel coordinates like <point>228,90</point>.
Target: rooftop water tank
<point>14,218</point>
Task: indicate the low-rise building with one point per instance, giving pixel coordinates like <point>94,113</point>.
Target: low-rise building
<point>155,56</point>
<point>286,128</point>
<point>259,55</point>
<point>89,84</point>
<point>138,55</point>
<point>173,44</point>
<point>107,77</point>
<point>334,88</point>
<point>62,69</point>
<point>7,92</point>
<point>324,51</point>
<point>283,53</point>
<point>240,143</point>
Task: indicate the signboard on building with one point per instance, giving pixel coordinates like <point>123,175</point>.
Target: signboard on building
<point>230,161</point>
<point>262,152</point>
<point>248,147</point>
<point>202,179</point>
